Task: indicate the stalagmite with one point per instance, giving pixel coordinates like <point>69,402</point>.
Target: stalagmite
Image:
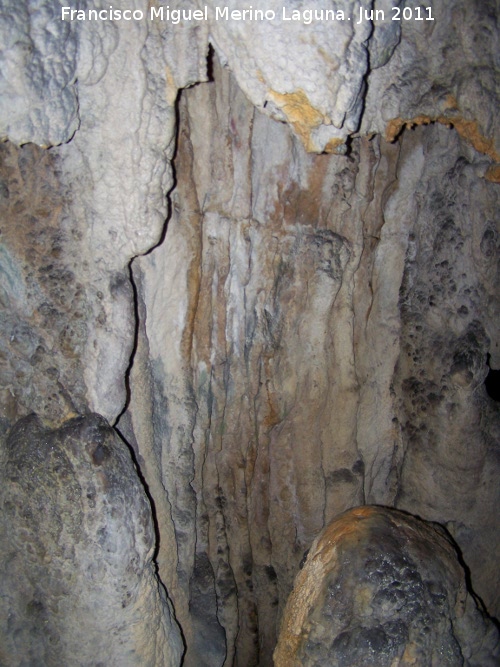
<point>381,587</point>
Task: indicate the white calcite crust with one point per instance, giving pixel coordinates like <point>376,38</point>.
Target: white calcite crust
<point>321,65</point>
<point>308,333</point>
<point>38,55</point>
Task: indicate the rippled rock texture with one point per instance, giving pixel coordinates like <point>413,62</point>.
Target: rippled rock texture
<point>77,544</point>
<point>280,285</point>
<point>314,334</point>
<point>383,588</point>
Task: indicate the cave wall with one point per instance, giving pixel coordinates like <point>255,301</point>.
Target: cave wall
<point>307,333</point>
<point>310,366</point>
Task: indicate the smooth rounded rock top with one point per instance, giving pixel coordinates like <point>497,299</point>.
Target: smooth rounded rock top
<point>381,588</point>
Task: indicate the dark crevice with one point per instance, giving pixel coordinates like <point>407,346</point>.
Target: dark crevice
<point>134,345</point>
<point>145,485</point>
<point>174,176</point>
<point>156,529</point>
<point>210,63</point>
<point>492,381</point>
<point>126,434</point>
<point>130,264</point>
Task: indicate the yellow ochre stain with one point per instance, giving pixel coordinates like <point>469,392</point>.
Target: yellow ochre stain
<point>493,173</point>
<point>297,108</point>
<point>467,129</point>
<point>300,113</point>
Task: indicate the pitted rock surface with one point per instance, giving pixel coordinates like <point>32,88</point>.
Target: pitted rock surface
<point>381,588</point>
<point>310,331</point>
<point>77,582</point>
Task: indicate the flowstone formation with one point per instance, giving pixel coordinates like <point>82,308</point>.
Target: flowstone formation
<point>301,351</point>
<point>279,285</point>
<point>383,588</point>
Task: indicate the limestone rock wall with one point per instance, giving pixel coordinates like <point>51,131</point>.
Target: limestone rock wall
<point>442,70</point>
<point>448,328</point>
<point>289,364</point>
<point>311,329</point>
<point>107,89</point>
<point>100,95</point>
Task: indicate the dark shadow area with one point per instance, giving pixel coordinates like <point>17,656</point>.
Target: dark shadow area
<point>460,558</point>
<point>210,63</point>
<point>492,381</point>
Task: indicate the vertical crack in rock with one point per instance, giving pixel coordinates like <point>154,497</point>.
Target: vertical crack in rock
<point>115,83</point>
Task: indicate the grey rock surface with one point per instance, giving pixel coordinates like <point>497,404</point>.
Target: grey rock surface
<point>384,588</point>
<point>442,70</point>
<point>38,65</point>
<point>77,582</point>
<point>312,331</point>
<point>449,326</point>
<point>272,385</point>
<point>324,108</point>
<point>73,219</point>
<point>47,303</point>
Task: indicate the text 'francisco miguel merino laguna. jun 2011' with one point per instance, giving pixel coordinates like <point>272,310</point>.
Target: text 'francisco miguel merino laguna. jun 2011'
<point>224,13</point>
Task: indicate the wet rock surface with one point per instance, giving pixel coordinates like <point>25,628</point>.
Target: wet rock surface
<point>382,588</point>
<point>77,581</point>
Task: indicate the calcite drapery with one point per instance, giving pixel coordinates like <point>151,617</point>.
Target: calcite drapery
<point>312,332</point>
<point>286,295</point>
